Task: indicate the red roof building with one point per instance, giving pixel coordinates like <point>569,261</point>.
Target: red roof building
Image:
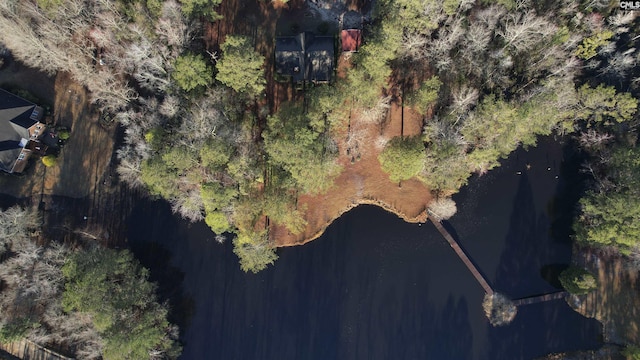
<point>351,40</point>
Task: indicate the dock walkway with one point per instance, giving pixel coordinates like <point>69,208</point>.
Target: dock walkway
<point>540,298</point>
<point>28,350</point>
<point>461,254</point>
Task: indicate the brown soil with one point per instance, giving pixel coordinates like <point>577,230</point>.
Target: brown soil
<point>363,181</point>
<point>615,303</point>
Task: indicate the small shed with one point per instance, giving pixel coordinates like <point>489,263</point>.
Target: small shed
<point>351,34</point>
<point>351,40</point>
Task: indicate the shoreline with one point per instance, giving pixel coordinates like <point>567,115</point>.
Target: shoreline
<point>422,217</point>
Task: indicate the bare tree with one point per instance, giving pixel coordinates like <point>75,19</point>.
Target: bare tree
<point>377,113</point>
<point>448,37</point>
<point>190,206</point>
<point>522,30</point>
<point>490,16</point>
<point>594,139</point>
<point>414,46</point>
<point>129,170</point>
<point>499,309</point>
<point>16,223</point>
<point>478,37</point>
<point>442,208</point>
<point>170,106</point>
<point>619,64</point>
<point>464,98</point>
<point>201,123</point>
<point>173,28</point>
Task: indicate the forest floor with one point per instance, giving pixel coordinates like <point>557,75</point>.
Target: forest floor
<point>615,303</point>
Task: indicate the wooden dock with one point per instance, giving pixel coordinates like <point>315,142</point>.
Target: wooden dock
<point>28,350</point>
<point>540,298</point>
<point>461,254</point>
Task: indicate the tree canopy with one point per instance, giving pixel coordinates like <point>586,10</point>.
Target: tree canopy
<point>402,158</point>
<point>114,289</point>
<point>206,8</point>
<point>302,147</point>
<point>611,216</point>
<point>577,281</point>
<point>241,67</point>
<point>254,250</point>
<point>191,72</point>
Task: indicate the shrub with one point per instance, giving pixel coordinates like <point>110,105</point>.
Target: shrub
<point>49,160</point>
<point>402,158</point>
<point>578,281</point>
<point>15,331</point>
<point>443,208</point>
<point>499,309</point>
<point>64,134</point>
<point>632,352</point>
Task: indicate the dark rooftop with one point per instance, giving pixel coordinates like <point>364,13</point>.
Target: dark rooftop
<point>290,59</point>
<point>305,57</point>
<point>351,20</point>
<point>15,120</point>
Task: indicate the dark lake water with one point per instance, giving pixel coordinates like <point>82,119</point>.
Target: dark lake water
<point>375,287</point>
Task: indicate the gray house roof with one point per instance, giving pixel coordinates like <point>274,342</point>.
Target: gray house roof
<point>305,57</point>
<point>15,120</point>
<point>290,59</point>
<point>320,54</point>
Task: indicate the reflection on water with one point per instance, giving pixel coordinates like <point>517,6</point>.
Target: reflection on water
<point>374,287</point>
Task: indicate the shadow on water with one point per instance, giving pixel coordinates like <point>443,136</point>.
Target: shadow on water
<point>341,297</point>
<point>527,247</point>
<point>563,207</point>
<point>539,226</point>
<point>373,286</point>
<point>551,274</point>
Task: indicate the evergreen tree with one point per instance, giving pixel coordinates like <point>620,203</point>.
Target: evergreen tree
<point>191,72</point>
<point>241,67</point>
<point>402,158</point>
<point>115,290</point>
